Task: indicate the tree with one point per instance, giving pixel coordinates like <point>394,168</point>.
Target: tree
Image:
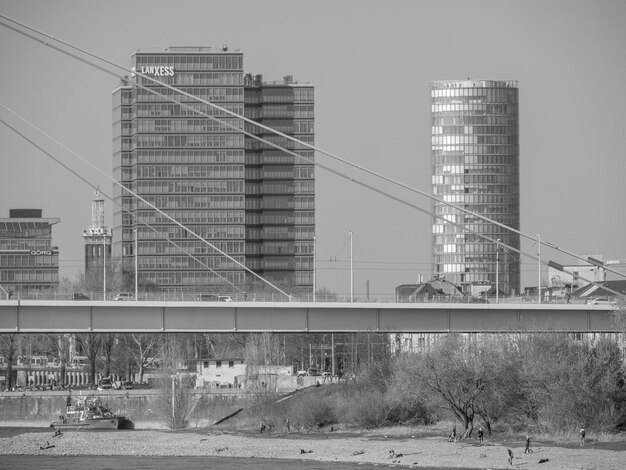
<point>91,344</point>
<point>9,343</point>
<point>454,373</point>
<point>146,347</point>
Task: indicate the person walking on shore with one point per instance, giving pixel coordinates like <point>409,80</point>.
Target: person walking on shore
<point>480,434</point>
<point>582,437</point>
<point>510,454</point>
<point>527,449</point>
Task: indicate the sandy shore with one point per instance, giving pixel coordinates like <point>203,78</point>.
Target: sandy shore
<point>360,448</point>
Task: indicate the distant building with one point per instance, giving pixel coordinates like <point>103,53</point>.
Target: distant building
<point>475,161</point>
<point>97,238</point>
<point>29,262</point>
<point>437,290</point>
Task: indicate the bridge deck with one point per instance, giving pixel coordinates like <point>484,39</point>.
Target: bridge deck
<point>213,317</point>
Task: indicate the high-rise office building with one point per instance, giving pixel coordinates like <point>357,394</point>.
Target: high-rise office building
<point>194,168</point>
<point>29,263</point>
<point>475,166</point>
<point>97,238</point>
<point>280,188</point>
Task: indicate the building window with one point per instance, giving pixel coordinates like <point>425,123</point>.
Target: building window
<point>231,364</point>
<point>218,364</point>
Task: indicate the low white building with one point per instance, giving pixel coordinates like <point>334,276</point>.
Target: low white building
<point>220,372</point>
<point>233,373</point>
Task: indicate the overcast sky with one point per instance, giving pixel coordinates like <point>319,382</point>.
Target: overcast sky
<point>371,63</point>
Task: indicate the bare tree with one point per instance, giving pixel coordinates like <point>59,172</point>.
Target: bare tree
<point>9,343</point>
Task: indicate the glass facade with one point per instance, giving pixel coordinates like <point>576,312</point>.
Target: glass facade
<point>248,199</point>
<point>475,166</point>
<point>280,188</point>
<point>29,263</point>
<point>186,165</point>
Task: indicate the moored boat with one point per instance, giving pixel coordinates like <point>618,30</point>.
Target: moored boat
<point>90,413</point>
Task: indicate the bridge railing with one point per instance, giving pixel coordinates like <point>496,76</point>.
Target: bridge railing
<point>274,297</point>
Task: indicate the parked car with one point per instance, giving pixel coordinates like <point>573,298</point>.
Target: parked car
<point>79,296</point>
<point>213,298</point>
<point>105,383</point>
<point>312,371</point>
<point>600,301</point>
<point>124,296</point>
<point>301,373</point>
<point>326,374</point>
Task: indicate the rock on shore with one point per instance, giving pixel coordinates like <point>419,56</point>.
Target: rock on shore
<point>365,448</point>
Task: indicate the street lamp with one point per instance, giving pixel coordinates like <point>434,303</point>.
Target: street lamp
<point>351,272</point>
<point>539,270</point>
<point>136,264</point>
<point>497,270</point>
<point>104,265</point>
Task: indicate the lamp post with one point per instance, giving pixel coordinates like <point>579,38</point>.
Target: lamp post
<point>104,265</point>
<point>497,270</point>
<point>539,270</point>
<point>314,263</point>
<point>136,265</point>
<point>351,271</point>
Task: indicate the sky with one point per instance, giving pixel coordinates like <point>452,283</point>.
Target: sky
<point>371,64</point>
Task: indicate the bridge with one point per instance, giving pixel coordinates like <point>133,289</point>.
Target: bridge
<point>40,316</point>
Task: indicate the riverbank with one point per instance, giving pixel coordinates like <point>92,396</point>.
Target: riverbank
<point>363,447</point>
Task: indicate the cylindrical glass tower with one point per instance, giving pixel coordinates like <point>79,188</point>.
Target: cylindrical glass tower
<point>475,166</point>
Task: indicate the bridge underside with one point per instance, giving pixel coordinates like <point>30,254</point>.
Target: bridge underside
<point>196,317</point>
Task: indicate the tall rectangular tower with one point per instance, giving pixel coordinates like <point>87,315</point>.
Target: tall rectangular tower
<point>185,164</point>
<point>475,163</point>
<point>280,188</point>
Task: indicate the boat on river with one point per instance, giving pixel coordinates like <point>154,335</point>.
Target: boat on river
<point>90,413</point>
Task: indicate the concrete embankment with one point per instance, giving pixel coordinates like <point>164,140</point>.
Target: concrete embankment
<point>40,407</point>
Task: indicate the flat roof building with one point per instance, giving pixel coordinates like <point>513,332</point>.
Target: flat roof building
<point>475,166</point>
<point>196,169</point>
<point>280,187</point>
<point>29,263</point>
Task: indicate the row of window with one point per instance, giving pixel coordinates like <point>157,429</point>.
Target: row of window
<point>217,140</point>
<point>30,275</point>
<point>211,94</point>
<point>465,120</point>
<point>196,78</point>
<point>477,108</point>
<point>193,247</point>
<point>189,217</point>
<point>472,178</point>
<point>194,186</point>
<point>491,95</point>
<point>194,202</point>
<point>186,262</point>
<point>206,61</point>
<point>176,110</point>
<point>492,163</point>
<point>170,157</point>
<point>187,125</point>
<point>274,156</point>
<point>190,171</point>
<point>23,243</point>
<point>281,232</point>
<point>475,139</point>
<point>476,149</point>
<point>206,232</point>
<point>470,129</point>
<point>281,218</point>
<point>25,260</point>
<point>201,279</point>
